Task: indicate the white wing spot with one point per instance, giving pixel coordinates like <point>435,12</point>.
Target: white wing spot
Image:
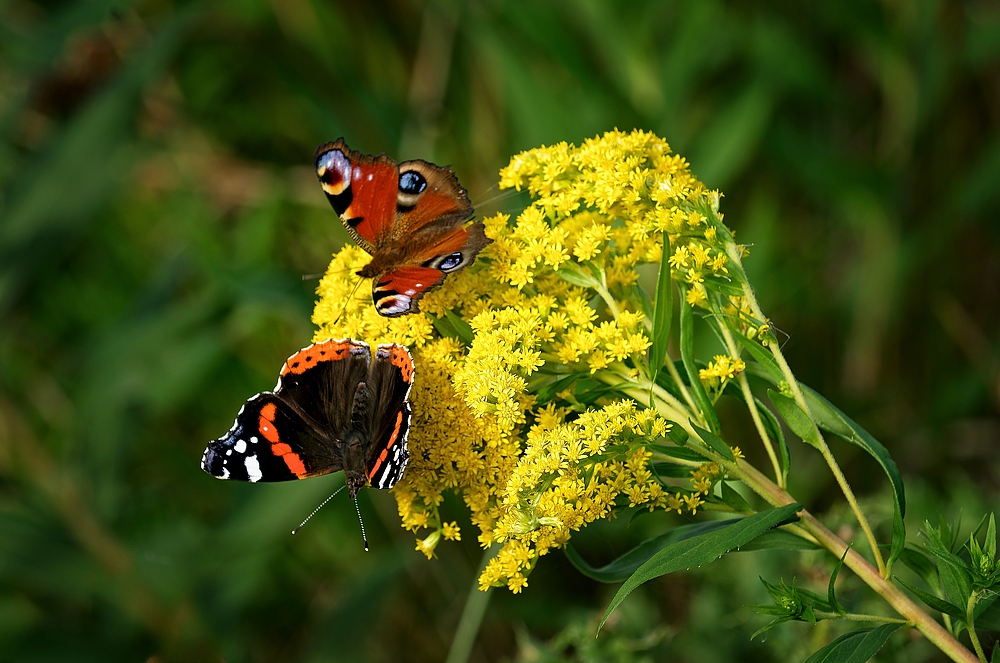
<point>241,446</point>
<point>254,439</point>
<point>253,469</point>
<point>399,303</point>
<point>229,452</point>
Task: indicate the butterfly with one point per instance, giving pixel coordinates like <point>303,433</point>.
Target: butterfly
<point>409,216</point>
<point>335,407</point>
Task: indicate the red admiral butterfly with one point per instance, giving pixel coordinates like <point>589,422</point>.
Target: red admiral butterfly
<point>334,408</point>
<point>409,216</point>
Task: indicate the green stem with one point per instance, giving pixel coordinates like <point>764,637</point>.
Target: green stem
<point>856,617</point>
<point>970,620</point>
<point>672,369</point>
<point>868,574</point>
<point>669,407</point>
<point>472,615</point>
<point>734,351</point>
<point>609,300</point>
<point>734,255</point>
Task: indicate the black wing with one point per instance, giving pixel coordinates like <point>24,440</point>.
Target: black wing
<point>319,382</point>
<point>296,431</point>
<point>385,421</point>
<point>270,441</point>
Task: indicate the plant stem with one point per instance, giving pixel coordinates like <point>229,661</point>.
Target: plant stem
<point>855,617</point>
<point>672,369</point>
<point>868,574</point>
<point>734,255</point>
<point>472,615</point>
<point>670,407</point>
<point>609,300</point>
<point>970,620</point>
<point>751,402</point>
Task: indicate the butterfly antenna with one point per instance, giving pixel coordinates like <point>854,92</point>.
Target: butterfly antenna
<point>783,333</point>
<point>364,537</point>
<point>303,523</point>
<point>347,301</point>
<point>319,275</point>
<point>488,202</point>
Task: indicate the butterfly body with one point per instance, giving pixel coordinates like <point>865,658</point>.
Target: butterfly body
<point>335,407</point>
<point>409,216</point>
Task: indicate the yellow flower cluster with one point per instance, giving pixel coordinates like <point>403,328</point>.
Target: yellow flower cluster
<point>719,371</point>
<point>722,367</point>
<point>571,474</point>
<point>521,417</point>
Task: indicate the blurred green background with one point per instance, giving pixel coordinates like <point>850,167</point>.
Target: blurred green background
<point>158,210</point>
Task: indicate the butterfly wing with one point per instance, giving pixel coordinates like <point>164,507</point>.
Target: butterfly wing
<point>397,291</point>
<point>385,419</point>
<point>293,432</point>
<point>320,381</point>
<point>428,197</point>
<point>362,190</point>
<point>408,216</point>
<point>269,441</point>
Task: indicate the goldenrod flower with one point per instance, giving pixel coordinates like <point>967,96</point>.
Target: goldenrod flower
<point>521,418</point>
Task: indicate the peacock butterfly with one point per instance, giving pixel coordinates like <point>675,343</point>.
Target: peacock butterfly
<point>409,216</point>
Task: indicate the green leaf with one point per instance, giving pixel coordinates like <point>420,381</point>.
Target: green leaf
<point>991,539</point>
<point>443,327</point>
<point>831,591</point>
<point>714,442</point>
<point>462,328</point>
<point>770,625</point>
<point>643,298</point>
<point>723,285</point>
<point>547,388</point>
<point>778,539</point>
<point>572,272</point>
<point>684,453</point>
<point>680,437</point>
<point>662,313</point>
<point>733,499</point>
<point>934,602</point>
<point>672,470</point>
<point>797,420</point>
<point>919,563</point>
<point>856,646</point>
<point>687,356</point>
<point>773,429</point>
<point>702,549</point>
<point>832,420</point>
<point>763,357</point>
<point>625,565</point>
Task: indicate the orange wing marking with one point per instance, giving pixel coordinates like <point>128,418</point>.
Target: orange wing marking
<point>279,448</point>
<point>305,359</point>
<point>402,360</point>
<point>385,452</point>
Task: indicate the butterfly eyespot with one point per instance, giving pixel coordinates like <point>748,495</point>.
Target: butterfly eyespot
<point>450,262</point>
<point>334,171</point>
<point>412,183</point>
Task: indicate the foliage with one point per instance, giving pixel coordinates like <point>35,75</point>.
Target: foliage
<point>157,212</point>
